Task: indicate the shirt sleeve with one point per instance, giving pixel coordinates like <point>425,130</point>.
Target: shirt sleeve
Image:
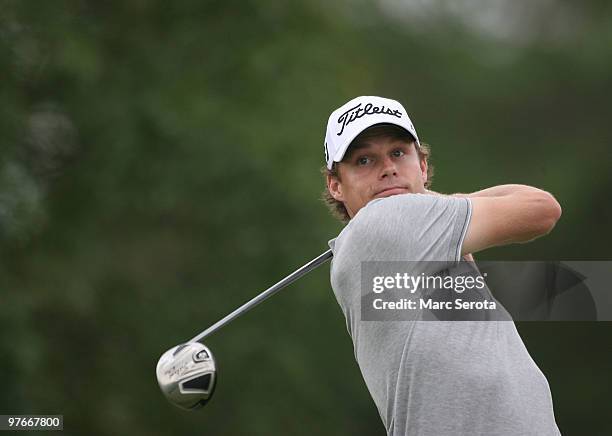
<point>412,227</point>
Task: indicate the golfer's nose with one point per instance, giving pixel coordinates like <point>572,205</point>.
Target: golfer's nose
<point>388,167</point>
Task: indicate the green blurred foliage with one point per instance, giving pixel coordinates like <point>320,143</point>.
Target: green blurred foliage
<point>159,165</point>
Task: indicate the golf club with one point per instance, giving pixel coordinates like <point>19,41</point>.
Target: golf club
<point>187,373</point>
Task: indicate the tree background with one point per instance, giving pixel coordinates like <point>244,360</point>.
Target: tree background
<point>159,166</point>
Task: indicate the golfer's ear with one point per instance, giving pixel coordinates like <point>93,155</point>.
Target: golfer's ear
<point>424,170</point>
<point>334,187</point>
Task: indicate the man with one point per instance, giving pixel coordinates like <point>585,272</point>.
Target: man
<point>429,377</point>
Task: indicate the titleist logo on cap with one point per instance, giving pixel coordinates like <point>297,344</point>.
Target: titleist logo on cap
<point>357,112</point>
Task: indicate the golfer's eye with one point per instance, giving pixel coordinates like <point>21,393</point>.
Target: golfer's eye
<point>397,153</point>
<point>363,160</point>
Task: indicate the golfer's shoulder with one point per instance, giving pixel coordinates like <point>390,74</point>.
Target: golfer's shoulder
<point>405,205</point>
<point>401,216</point>
<point>382,218</point>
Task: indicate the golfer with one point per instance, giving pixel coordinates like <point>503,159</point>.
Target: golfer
<point>429,377</point>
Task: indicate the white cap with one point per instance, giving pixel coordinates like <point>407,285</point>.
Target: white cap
<point>352,118</point>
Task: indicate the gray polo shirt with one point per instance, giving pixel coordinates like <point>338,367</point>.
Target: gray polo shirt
<point>435,377</point>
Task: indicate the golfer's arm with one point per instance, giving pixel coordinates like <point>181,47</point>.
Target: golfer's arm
<point>496,191</point>
<point>509,214</point>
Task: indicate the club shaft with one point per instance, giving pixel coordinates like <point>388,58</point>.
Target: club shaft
<point>265,295</point>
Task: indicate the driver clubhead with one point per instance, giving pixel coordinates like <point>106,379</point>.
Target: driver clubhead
<point>187,375</point>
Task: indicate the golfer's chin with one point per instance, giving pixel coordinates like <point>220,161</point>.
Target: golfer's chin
<point>391,192</point>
